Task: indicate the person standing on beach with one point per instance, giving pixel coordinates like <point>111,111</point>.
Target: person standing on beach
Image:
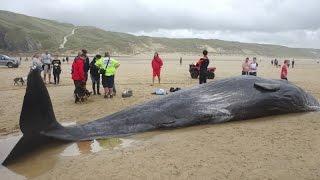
<point>203,63</point>
<point>156,64</point>
<point>56,66</point>
<point>78,76</point>
<point>107,66</point>
<point>95,75</point>
<point>245,67</point>
<point>180,60</point>
<point>46,61</point>
<point>36,62</point>
<point>67,59</point>
<point>292,63</point>
<point>284,70</point>
<point>86,64</point>
<point>253,67</point>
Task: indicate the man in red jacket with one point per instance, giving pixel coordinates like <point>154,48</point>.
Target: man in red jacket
<point>156,67</point>
<point>78,76</point>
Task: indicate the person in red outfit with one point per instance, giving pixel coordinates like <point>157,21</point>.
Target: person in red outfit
<point>156,67</point>
<point>78,76</point>
<point>284,70</point>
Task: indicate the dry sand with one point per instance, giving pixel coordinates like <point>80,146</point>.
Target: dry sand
<point>278,147</point>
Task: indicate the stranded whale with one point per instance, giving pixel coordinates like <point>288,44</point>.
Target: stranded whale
<point>237,98</point>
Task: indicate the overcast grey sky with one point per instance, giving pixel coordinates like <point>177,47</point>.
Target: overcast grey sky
<point>294,23</point>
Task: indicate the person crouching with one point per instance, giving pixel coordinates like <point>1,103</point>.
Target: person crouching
<point>107,66</point>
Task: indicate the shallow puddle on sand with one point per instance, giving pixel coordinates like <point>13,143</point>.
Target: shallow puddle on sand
<point>86,147</point>
<point>44,159</point>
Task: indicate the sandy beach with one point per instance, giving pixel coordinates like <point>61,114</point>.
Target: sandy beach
<point>276,147</point>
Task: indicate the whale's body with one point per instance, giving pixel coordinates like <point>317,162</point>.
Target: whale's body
<point>237,98</point>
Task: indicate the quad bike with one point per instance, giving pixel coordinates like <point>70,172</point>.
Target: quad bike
<point>195,71</point>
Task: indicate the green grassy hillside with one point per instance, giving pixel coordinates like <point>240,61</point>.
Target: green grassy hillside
<point>24,33</point>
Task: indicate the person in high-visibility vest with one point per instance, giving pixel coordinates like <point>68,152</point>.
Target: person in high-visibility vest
<point>108,67</point>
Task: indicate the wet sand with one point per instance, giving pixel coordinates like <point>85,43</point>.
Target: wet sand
<point>278,147</point>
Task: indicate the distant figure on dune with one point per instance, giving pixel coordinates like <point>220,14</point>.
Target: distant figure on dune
<point>203,64</point>
<point>284,70</point>
<point>253,67</point>
<point>180,60</point>
<point>67,59</point>
<point>245,67</point>
<point>156,64</point>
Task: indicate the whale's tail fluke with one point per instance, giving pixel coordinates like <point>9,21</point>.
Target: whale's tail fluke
<point>37,116</point>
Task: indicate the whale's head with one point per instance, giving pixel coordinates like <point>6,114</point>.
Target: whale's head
<point>246,97</point>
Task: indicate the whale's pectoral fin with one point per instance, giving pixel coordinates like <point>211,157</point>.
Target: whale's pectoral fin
<point>267,86</point>
<point>201,117</point>
<point>174,123</point>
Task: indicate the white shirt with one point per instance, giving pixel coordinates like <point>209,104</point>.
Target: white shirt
<point>46,58</point>
<point>253,67</point>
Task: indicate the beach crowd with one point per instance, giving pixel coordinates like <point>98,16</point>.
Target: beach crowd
<point>102,69</point>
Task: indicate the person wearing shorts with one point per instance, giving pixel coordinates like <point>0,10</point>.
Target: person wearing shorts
<point>284,70</point>
<point>156,64</point>
<point>245,67</point>
<point>107,67</point>
<point>46,61</point>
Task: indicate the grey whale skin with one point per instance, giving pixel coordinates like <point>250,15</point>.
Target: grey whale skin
<point>236,98</point>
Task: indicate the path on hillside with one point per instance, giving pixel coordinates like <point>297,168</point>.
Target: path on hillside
<point>65,38</point>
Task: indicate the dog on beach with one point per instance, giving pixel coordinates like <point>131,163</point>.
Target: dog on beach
<point>19,81</point>
<point>82,96</point>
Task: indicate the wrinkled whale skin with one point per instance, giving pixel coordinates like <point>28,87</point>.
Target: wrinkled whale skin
<point>236,98</point>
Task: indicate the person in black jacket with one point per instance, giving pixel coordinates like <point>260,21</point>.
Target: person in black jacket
<point>95,75</point>
<point>86,65</point>
<point>56,66</point>
<point>203,63</point>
